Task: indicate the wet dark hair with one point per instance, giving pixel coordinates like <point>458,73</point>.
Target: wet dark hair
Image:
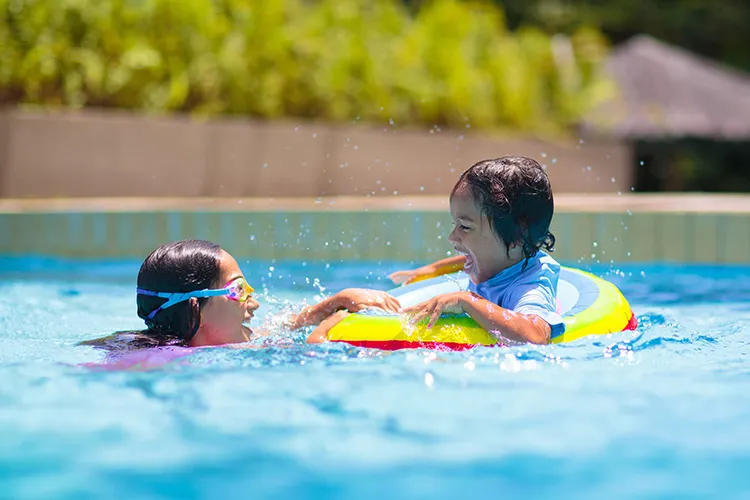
<point>515,194</point>
<point>181,266</point>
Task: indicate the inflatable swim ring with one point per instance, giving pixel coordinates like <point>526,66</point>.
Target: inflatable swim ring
<point>587,304</point>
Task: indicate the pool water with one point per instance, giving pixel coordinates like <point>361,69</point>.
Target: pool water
<point>660,412</point>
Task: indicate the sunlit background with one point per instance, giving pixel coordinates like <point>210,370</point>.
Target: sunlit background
<point>667,81</point>
<point>318,141</point>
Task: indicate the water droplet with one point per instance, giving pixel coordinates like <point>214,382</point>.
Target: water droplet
<point>613,179</point>
<point>421,188</point>
<point>429,380</point>
<point>543,155</point>
<point>315,135</point>
<point>595,244</point>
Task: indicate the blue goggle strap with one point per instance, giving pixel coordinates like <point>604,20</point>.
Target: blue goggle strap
<point>176,298</point>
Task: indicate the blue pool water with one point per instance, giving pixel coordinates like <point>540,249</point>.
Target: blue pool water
<point>661,412</point>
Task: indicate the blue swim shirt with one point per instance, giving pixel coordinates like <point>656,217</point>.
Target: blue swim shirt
<point>529,291</point>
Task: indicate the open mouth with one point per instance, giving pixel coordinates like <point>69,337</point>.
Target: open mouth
<point>469,264</point>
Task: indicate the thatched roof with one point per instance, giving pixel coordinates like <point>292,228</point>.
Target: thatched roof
<point>667,91</point>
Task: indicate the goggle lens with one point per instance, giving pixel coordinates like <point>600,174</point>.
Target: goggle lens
<point>239,290</point>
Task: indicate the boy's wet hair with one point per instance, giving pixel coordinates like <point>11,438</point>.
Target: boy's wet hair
<point>181,266</point>
<point>515,194</point>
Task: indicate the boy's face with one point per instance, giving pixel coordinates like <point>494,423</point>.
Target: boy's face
<point>486,254</point>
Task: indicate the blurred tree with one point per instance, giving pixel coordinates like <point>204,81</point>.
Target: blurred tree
<point>717,28</point>
<point>447,62</point>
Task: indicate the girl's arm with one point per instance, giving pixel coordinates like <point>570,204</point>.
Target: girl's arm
<point>320,334</point>
<point>489,316</point>
<point>351,300</point>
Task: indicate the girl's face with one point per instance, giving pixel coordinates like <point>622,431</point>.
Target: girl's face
<point>221,317</point>
<point>472,235</point>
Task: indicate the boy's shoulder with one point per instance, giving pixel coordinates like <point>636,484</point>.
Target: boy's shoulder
<point>543,263</point>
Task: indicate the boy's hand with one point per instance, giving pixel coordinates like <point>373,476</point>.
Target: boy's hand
<point>356,299</point>
<point>400,277</point>
<point>445,266</point>
<point>451,303</point>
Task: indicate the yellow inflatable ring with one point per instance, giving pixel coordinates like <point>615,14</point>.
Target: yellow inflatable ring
<point>587,304</point>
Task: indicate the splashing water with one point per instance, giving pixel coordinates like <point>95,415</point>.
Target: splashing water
<point>656,412</point>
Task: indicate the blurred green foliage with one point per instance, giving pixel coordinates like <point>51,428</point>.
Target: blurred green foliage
<point>446,62</point>
<point>717,29</point>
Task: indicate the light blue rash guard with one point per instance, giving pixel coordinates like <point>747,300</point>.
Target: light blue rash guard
<point>529,291</point>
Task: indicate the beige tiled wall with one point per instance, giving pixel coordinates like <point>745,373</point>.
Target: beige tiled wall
<point>419,235</point>
<point>113,153</point>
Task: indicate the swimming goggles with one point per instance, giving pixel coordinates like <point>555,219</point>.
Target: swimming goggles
<point>237,289</point>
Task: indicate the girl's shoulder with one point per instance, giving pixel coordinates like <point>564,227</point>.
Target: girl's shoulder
<point>128,340</point>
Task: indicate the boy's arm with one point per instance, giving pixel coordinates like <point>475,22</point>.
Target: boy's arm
<point>444,266</point>
<point>511,324</point>
<point>491,317</point>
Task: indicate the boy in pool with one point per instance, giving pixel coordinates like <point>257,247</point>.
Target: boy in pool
<point>502,210</point>
<point>192,293</point>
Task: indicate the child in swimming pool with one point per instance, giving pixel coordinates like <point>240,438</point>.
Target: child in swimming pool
<point>502,210</point>
<point>192,293</point>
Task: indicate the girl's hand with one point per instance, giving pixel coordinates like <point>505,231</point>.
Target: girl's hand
<point>357,299</point>
<point>451,303</point>
<point>320,334</point>
<point>351,300</point>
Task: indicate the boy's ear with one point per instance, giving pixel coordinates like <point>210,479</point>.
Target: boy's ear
<point>515,244</point>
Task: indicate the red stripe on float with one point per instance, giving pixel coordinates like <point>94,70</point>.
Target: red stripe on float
<point>394,345</point>
<point>632,324</point>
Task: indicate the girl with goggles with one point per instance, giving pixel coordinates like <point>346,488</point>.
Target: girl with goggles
<point>178,299</point>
